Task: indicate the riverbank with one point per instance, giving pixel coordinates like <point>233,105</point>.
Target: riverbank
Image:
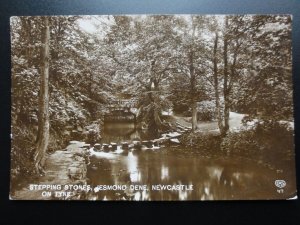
<point>63,167</point>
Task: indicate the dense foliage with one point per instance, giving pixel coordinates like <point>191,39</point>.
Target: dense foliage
<point>270,142</point>
<point>198,66</point>
<point>207,143</point>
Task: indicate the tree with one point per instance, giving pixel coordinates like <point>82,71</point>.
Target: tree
<point>266,88</point>
<point>43,119</point>
<point>144,60</point>
<point>226,77</point>
<point>191,59</point>
<point>191,63</point>
<point>235,39</point>
<point>216,82</point>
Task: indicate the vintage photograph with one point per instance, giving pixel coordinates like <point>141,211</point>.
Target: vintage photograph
<point>152,108</point>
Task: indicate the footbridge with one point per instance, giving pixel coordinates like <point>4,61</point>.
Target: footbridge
<point>123,110</point>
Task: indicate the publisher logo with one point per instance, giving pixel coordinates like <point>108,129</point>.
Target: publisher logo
<point>280,183</point>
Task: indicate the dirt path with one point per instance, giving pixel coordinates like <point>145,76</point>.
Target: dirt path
<point>235,122</point>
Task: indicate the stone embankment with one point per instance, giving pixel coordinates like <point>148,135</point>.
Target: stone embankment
<point>63,167</point>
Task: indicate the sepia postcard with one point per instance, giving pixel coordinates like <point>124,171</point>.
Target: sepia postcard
<point>152,108</point>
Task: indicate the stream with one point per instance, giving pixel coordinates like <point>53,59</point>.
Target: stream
<point>147,174</point>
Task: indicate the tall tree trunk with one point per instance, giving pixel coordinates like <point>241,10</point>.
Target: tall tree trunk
<point>216,84</point>
<point>92,106</point>
<point>155,96</point>
<point>26,25</point>
<point>226,89</point>
<point>43,122</point>
<point>152,89</point>
<point>194,115</point>
<point>193,91</point>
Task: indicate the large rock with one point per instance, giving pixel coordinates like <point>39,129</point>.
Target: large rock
<point>173,134</point>
<point>174,141</point>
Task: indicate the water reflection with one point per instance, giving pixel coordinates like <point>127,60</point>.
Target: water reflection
<point>211,179</point>
<point>164,172</point>
<point>119,132</point>
<point>218,178</point>
<point>132,168</point>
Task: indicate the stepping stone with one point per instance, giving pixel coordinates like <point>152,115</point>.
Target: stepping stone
<point>137,145</point>
<point>148,144</point>
<point>125,145</point>
<point>97,147</point>
<point>114,146</point>
<point>155,143</point>
<point>105,147</point>
<point>86,146</point>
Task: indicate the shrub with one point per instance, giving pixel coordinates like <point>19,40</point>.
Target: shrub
<point>182,108</point>
<point>242,143</point>
<point>206,142</point>
<point>270,141</point>
<point>92,133</point>
<point>206,110</point>
<point>22,151</point>
<point>276,140</point>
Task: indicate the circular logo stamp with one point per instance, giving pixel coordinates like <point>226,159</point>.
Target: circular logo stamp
<point>280,183</point>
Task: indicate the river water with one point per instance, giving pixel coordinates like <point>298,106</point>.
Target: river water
<point>140,175</point>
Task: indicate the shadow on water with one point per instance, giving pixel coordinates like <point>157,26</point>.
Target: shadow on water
<point>211,178</point>
<point>118,132</point>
